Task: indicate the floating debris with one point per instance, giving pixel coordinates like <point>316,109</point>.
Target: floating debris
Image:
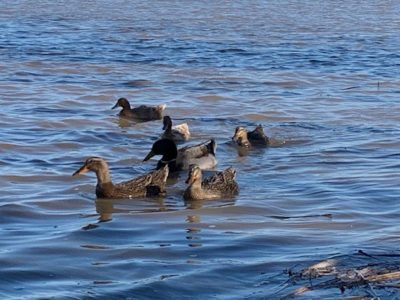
<point>357,276</point>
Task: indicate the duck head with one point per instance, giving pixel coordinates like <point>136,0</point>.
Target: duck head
<point>240,137</point>
<point>94,164</point>
<point>167,123</point>
<point>194,175</point>
<point>165,147</point>
<point>122,102</point>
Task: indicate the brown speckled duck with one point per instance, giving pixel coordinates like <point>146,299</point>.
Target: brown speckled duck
<point>177,133</point>
<point>220,185</point>
<point>151,184</point>
<point>141,113</point>
<point>201,154</point>
<point>247,139</point>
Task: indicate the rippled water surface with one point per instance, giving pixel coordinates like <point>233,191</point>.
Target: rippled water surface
<point>322,77</point>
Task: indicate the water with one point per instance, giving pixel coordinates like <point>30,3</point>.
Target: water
<point>320,76</point>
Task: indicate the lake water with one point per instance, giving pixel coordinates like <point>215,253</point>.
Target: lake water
<point>322,77</point>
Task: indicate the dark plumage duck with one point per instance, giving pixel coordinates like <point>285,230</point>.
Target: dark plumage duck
<point>177,133</point>
<point>220,185</point>
<point>142,112</point>
<point>201,154</point>
<point>247,139</point>
<point>151,184</point>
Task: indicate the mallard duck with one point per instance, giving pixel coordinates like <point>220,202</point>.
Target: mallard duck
<point>151,184</point>
<point>219,185</point>
<point>246,139</point>
<point>177,133</point>
<point>142,112</point>
<point>201,154</point>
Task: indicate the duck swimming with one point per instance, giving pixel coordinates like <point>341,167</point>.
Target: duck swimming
<point>220,185</point>
<point>151,184</point>
<point>201,154</point>
<point>247,139</point>
<point>176,133</point>
<point>142,112</point>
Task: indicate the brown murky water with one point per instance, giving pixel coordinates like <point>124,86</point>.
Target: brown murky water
<point>322,77</point>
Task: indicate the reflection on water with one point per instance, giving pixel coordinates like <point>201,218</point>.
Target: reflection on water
<point>105,208</point>
<point>321,77</point>
<point>193,231</point>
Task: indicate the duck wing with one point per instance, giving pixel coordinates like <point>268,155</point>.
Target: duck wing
<point>158,180</point>
<point>150,184</point>
<point>223,181</point>
<point>149,112</point>
<point>135,187</point>
<point>199,150</point>
<point>202,154</point>
<point>257,136</point>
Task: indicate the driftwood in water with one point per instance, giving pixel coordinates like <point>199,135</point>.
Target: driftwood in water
<point>364,274</point>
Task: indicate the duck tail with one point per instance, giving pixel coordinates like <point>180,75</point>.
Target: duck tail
<point>161,107</point>
<point>260,129</point>
<point>232,173</point>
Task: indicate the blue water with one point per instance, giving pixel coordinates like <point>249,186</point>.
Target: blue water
<point>320,76</point>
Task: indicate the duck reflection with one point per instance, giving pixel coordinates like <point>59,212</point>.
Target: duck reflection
<point>243,151</point>
<point>106,207</point>
<point>193,231</point>
<point>125,123</point>
<point>193,218</point>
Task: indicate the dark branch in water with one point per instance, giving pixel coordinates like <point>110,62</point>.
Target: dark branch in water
<point>351,88</point>
<point>354,273</point>
<point>300,217</point>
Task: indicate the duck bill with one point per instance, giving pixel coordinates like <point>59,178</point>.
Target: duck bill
<point>82,170</point>
<point>148,156</point>
<point>236,139</point>
<point>115,106</point>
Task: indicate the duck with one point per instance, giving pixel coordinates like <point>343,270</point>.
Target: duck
<point>177,133</point>
<point>201,154</point>
<point>142,112</point>
<point>147,185</point>
<point>248,139</point>
<point>220,185</point>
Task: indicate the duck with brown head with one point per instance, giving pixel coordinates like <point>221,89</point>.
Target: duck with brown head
<point>151,184</point>
<point>140,113</point>
<point>220,185</point>
<point>252,138</point>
